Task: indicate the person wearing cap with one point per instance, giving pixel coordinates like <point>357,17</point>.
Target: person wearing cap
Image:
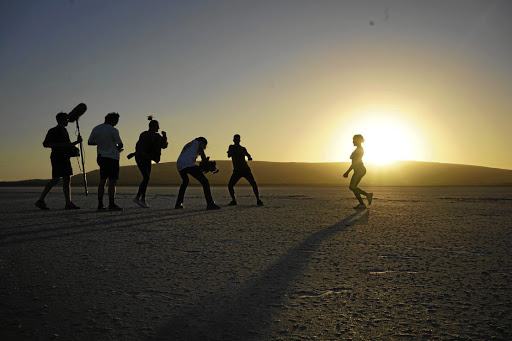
<point>63,149</point>
<point>109,146</point>
<point>186,165</point>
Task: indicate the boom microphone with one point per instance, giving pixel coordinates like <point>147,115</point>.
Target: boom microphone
<point>73,116</point>
<point>78,111</point>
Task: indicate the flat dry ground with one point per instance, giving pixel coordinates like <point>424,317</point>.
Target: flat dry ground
<point>431,263</point>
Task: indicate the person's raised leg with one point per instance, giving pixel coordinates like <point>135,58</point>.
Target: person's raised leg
<point>354,181</point>
<point>369,197</point>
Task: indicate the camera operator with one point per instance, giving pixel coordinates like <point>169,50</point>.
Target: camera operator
<point>187,165</point>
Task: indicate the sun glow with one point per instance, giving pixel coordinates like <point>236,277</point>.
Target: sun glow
<point>387,143</point>
<point>389,138</point>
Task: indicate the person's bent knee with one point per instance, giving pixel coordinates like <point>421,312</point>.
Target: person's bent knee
<point>352,187</point>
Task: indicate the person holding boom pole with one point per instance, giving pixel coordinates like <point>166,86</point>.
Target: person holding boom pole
<point>63,149</point>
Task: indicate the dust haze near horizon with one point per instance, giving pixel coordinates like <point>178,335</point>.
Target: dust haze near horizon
<point>424,81</point>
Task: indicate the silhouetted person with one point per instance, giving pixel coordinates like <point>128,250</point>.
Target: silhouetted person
<point>241,169</point>
<point>187,165</point>
<point>359,171</point>
<point>148,148</point>
<point>109,146</point>
<point>63,149</point>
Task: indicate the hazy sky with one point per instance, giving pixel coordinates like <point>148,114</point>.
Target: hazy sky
<point>421,80</point>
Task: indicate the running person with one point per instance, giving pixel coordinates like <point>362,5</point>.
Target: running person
<point>148,148</point>
<point>359,171</point>
<point>241,169</point>
<point>186,165</point>
<point>109,146</point>
<point>58,140</point>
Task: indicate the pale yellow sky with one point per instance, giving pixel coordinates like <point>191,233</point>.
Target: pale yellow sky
<point>297,82</point>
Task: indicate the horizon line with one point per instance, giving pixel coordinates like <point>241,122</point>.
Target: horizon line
<point>296,162</point>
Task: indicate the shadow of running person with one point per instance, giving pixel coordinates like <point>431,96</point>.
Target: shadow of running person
<point>249,314</point>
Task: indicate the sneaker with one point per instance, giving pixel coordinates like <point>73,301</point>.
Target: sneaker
<point>141,203</point>
<point>71,206</point>
<point>42,205</point>
<point>101,208</point>
<point>259,202</point>
<point>233,203</point>
<point>360,207</point>
<point>114,207</point>
<point>212,206</point>
<point>370,198</point>
<point>178,206</point>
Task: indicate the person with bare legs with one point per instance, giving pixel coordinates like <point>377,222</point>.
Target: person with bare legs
<point>109,146</point>
<point>241,169</point>
<point>359,171</point>
<point>63,149</point>
<point>148,148</point>
<point>187,165</point>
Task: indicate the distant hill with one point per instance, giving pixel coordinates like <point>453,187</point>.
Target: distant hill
<point>406,173</point>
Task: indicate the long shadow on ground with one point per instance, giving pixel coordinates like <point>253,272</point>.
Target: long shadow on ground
<point>248,315</point>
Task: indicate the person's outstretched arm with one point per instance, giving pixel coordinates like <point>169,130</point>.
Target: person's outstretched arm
<point>347,172</point>
<point>247,154</point>
<point>163,140</point>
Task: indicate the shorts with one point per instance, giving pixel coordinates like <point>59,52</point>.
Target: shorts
<point>109,168</point>
<point>242,173</point>
<point>61,168</point>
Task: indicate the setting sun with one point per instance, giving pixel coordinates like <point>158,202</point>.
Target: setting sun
<point>388,142</point>
<point>389,137</point>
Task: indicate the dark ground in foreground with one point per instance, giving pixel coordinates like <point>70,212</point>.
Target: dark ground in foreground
<point>431,263</point>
